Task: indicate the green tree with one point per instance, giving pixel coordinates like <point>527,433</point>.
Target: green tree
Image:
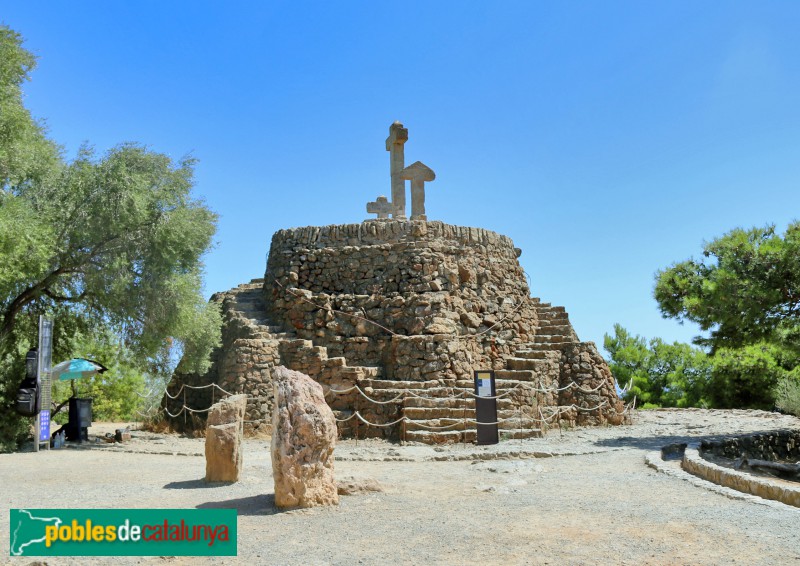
<point>658,374</point>
<point>747,377</point>
<point>26,155</point>
<point>745,289</point>
<point>116,393</point>
<point>102,244</point>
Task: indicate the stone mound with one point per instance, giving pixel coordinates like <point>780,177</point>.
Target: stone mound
<point>405,312</point>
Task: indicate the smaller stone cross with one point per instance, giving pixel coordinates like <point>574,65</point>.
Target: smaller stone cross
<point>382,207</point>
<point>418,173</point>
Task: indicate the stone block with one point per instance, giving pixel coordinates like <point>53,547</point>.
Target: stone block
<point>224,436</point>
<point>303,441</point>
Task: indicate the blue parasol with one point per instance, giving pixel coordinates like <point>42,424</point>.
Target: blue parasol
<point>76,368</point>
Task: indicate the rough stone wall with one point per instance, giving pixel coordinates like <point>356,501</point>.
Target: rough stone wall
<point>428,281</point>
<point>583,365</point>
<point>240,365</point>
<point>403,305</point>
<point>775,446</point>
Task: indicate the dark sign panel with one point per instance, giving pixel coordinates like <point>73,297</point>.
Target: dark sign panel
<point>486,407</point>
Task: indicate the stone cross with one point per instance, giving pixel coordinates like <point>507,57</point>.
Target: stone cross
<point>382,207</point>
<point>418,173</point>
<point>398,135</point>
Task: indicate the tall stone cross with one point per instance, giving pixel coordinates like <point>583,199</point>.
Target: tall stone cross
<point>398,136</point>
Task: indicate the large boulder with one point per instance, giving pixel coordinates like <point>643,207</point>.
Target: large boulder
<point>224,435</point>
<point>303,439</point>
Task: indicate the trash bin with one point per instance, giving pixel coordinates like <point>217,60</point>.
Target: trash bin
<point>80,419</point>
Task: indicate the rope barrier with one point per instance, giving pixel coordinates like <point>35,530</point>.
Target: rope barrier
<point>412,393</point>
<point>559,410</point>
<point>460,423</point>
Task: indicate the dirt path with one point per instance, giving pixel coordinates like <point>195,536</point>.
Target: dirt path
<point>595,501</point>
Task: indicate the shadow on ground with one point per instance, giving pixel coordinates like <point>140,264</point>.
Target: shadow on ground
<point>657,442</point>
<point>196,484</point>
<point>253,505</point>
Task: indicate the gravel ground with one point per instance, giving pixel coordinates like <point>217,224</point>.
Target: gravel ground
<point>583,496</point>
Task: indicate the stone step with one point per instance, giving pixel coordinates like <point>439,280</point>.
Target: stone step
<point>441,437</point>
<point>538,366</point>
<point>427,413</point>
<point>551,318</point>
<point>459,413</point>
<point>516,374</point>
<point>533,354</point>
<point>458,424</point>
<point>274,336</point>
<point>555,329</point>
<point>453,403</point>
<point>447,424</point>
<point>455,436</point>
<point>392,384</point>
<point>513,434</point>
<point>536,347</point>
<point>501,385</point>
<point>552,309</point>
<point>551,339</point>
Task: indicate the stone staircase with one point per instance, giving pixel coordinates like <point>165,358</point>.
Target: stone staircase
<point>539,362</point>
<point>437,409</point>
<point>245,310</point>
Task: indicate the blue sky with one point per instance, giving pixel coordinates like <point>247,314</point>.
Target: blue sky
<point>607,139</point>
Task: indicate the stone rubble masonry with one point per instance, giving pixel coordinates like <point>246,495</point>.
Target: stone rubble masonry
<point>447,300</point>
<point>303,440</point>
<point>224,436</point>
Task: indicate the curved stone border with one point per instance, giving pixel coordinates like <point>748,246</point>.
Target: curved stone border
<point>694,463</point>
<point>656,461</point>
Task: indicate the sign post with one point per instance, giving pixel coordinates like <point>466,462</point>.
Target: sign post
<point>45,386</point>
<point>486,407</point>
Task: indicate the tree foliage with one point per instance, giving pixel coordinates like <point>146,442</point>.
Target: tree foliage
<point>659,374</point>
<point>747,377</point>
<point>745,289</point>
<point>109,246</point>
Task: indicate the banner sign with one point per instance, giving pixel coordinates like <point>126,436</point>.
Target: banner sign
<point>44,425</point>
<point>123,532</point>
<point>45,387</point>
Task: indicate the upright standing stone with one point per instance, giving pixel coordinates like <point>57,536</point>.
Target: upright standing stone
<point>303,439</point>
<point>224,434</point>
<point>398,135</point>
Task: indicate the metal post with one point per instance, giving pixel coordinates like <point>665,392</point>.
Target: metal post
<point>403,423</point>
<point>464,432</point>
<point>45,386</point>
